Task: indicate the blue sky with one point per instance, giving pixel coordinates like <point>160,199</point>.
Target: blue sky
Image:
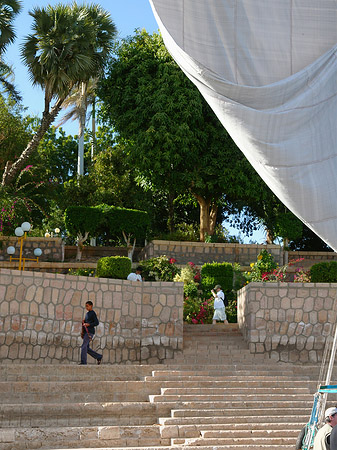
<point>127,15</point>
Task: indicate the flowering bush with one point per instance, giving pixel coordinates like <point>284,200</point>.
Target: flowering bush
<point>197,310</point>
<point>265,264</point>
<point>160,268</point>
<point>302,276</point>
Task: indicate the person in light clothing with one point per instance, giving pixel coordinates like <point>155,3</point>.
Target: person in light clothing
<point>322,439</point>
<point>135,276</point>
<point>219,304</point>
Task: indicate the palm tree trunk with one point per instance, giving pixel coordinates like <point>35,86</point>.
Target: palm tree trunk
<point>80,157</point>
<point>93,128</point>
<point>11,170</point>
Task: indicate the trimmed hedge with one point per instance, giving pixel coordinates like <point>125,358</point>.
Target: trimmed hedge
<point>113,267</point>
<point>217,273</point>
<point>82,219</point>
<point>103,219</point>
<point>324,272</point>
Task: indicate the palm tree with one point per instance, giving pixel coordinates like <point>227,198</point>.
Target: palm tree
<point>79,100</point>
<point>68,45</point>
<point>8,10</point>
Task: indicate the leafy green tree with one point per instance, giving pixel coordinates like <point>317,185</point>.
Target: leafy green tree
<point>177,143</point>
<point>68,44</point>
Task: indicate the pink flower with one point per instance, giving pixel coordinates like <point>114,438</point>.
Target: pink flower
<point>172,261</point>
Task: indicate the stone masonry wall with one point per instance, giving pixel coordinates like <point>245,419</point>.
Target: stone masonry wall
<point>52,248</point>
<point>201,252</point>
<point>290,321</point>
<point>41,314</point>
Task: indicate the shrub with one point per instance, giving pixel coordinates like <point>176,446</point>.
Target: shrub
<point>160,268</point>
<point>113,267</point>
<point>324,272</point>
<point>197,310</point>
<point>82,272</point>
<point>265,264</point>
<point>191,289</point>
<point>217,273</point>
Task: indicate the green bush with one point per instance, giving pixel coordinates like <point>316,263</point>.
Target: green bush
<point>217,273</point>
<point>191,290</point>
<point>324,272</point>
<point>159,268</point>
<point>82,272</point>
<point>131,221</point>
<point>113,267</point>
<point>82,219</point>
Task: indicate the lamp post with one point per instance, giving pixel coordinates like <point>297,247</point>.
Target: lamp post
<point>21,233</point>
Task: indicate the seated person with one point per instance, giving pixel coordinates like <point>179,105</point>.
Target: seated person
<point>135,276</point>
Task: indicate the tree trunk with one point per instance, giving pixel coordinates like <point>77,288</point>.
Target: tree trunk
<point>11,170</point>
<point>208,213</point>
<point>80,240</point>
<point>130,247</point>
<point>80,157</point>
<point>269,237</point>
<point>93,128</point>
<point>170,222</point>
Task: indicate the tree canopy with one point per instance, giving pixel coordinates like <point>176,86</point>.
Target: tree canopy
<point>177,143</point>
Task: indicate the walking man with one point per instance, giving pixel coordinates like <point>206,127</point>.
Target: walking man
<point>88,330</point>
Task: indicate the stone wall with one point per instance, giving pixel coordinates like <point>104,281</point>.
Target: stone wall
<point>201,252</point>
<point>52,248</point>
<point>41,314</point>
<point>290,321</point>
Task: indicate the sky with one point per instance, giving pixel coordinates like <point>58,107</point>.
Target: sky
<point>128,15</point>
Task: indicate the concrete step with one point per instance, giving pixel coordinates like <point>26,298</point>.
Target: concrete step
<point>82,414</point>
<point>233,420</point>
<point>233,399</point>
<point>240,411</point>
<point>74,437</point>
<point>232,441</point>
<point>232,390</point>
<point>196,430</point>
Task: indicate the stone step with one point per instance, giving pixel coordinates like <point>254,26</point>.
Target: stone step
<point>232,441</point>
<point>74,372</point>
<point>234,420</point>
<point>232,390</point>
<point>232,398</point>
<point>195,430</point>
<point>82,414</point>
<point>74,437</point>
<point>254,446</point>
<point>77,391</point>
<point>196,377</point>
<point>240,411</point>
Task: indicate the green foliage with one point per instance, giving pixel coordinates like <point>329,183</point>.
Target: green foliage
<point>197,310</point>
<point>217,273</point>
<point>82,272</point>
<point>265,264</point>
<point>131,221</point>
<point>113,267</point>
<point>191,289</point>
<point>160,268</point>
<point>177,144</point>
<point>232,308</point>
<point>324,272</point>
<point>82,219</point>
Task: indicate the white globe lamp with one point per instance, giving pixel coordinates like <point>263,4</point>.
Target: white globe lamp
<point>25,226</point>
<point>37,252</point>
<point>19,232</point>
<point>11,250</point>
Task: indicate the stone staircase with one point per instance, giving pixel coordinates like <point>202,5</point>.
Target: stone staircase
<point>215,394</point>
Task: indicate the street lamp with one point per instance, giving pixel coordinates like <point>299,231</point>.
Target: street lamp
<point>21,233</point>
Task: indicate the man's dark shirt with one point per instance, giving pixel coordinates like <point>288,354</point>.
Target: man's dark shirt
<point>91,318</point>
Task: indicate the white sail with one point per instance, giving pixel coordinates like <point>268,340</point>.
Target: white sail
<point>268,68</point>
